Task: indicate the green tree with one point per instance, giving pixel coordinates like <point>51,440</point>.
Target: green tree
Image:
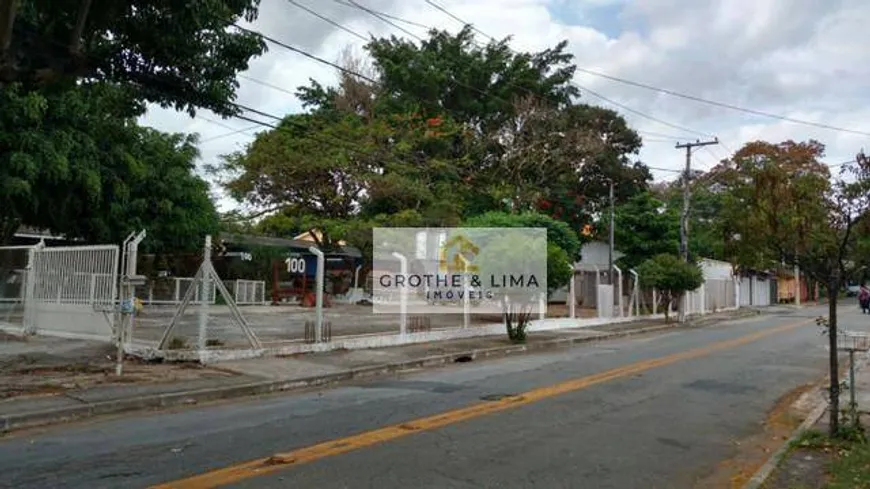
<point>476,85</point>
<point>558,232</point>
<point>782,206</point>
<point>75,162</point>
<point>644,227</point>
<point>164,195</point>
<point>671,277</point>
<point>706,232</point>
<point>174,53</point>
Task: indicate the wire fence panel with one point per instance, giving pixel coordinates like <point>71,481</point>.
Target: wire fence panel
<point>247,292</point>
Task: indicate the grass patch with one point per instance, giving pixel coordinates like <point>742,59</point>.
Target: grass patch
<point>849,463</point>
<point>851,467</point>
<point>813,439</point>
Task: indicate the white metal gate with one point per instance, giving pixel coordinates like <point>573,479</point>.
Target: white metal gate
<point>70,289</point>
<point>13,279</point>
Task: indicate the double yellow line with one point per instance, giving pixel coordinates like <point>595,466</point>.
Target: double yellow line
<point>282,461</point>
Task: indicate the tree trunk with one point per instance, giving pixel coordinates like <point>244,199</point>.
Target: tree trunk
<point>8,9</point>
<point>833,358</point>
<point>75,39</point>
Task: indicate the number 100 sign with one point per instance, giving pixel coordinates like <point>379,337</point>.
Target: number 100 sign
<point>295,265</point>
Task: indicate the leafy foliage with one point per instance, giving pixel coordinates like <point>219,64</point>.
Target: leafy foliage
<point>706,233</point>
<point>75,162</point>
<point>173,53</point>
<point>782,206</point>
<point>644,227</point>
<point>670,276</point>
<point>445,130</point>
<point>562,244</point>
<point>477,85</point>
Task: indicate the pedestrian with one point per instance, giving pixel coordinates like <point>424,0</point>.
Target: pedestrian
<point>864,299</point>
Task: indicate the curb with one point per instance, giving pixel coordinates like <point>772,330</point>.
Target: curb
<point>34,419</point>
<point>760,477</point>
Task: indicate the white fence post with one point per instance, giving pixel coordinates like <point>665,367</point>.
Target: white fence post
<point>703,299</point>
<point>619,281</point>
<point>572,294</point>
<point>321,265</point>
<point>635,294</point>
<point>403,295</point>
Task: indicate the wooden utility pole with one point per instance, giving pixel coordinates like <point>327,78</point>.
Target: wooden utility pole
<point>684,216</point>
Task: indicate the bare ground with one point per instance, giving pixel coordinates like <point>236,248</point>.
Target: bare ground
<point>41,366</point>
<point>752,452</point>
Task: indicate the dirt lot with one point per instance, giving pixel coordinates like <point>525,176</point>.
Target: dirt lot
<point>281,323</point>
<point>42,365</point>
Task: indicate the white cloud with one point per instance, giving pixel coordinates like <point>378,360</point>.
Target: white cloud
<point>803,59</point>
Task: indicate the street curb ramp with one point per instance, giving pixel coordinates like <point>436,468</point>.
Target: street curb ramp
<point>11,422</point>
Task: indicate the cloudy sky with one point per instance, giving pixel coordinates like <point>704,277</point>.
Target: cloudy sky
<point>801,59</point>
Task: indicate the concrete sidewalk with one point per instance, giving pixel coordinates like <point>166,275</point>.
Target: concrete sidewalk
<point>268,375</point>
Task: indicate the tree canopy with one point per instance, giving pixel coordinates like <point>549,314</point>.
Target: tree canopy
<point>671,277</point>
<point>75,162</point>
<point>175,53</point>
<point>563,246</point>
<point>443,130</point>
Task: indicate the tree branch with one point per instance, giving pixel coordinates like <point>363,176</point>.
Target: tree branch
<point>75,39</point>
<point>8,9</point>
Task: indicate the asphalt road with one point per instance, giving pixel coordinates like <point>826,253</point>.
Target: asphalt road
<point>655,411</point>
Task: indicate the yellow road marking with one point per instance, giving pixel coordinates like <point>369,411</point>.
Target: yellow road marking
<point>281,461</point>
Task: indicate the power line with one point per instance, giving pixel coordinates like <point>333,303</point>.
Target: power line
<point>301,52</point>
<point>393,17</point>
<point>384,17</point>
<point>720,104</point>
<point>660,135</point>
<point>212,121</point>
<point>680,94</point>
<point>266,84</point>
<point>378,15</point>
<point>577,85</point>
<point>227,134</point>
<point>326,19</point>
<point>642,114</point>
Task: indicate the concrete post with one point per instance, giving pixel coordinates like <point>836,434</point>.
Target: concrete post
<point>466,301</point>
<point>572,295</point>
<point>703,292</point>
<point>403,298</point>
<point>619,281</point>
<point>319,274</point>
<point>737,292</point>
<point>797,286</point>
<point>635,293</point>
<point>205,284</point>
